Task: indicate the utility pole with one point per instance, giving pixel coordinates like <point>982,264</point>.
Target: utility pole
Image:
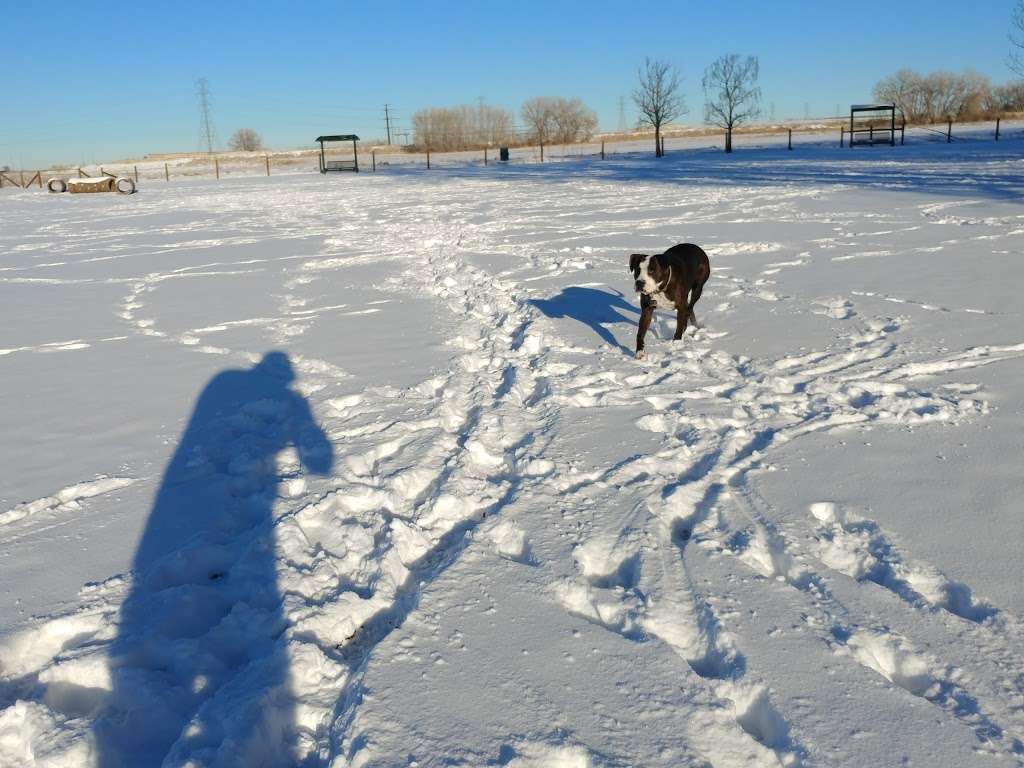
<point>207,134</point>
<point>622,114</point>
<point>387,122</point>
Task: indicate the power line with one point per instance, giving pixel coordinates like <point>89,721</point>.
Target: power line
<point>207,134</point>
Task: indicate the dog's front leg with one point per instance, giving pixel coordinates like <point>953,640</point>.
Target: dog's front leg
<point>682,315</point>
<point>646,313</point>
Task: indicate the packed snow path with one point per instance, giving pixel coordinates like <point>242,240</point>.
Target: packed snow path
<point>451,521</point>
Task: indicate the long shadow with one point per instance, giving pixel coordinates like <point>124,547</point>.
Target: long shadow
<point>974,167</point>
<point>595,309</point>
<point>198,666</point>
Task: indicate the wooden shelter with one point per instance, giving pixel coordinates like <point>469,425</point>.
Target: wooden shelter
<point>878,121</point>
<point>339,165</point>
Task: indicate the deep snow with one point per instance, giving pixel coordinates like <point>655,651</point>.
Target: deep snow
<point>360,471</point>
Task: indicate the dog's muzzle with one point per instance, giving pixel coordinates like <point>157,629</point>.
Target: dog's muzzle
<point>639,286</point>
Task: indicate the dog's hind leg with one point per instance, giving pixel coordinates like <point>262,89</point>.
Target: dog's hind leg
<point>694,295</point>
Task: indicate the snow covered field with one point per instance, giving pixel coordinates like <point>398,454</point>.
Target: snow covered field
<point>360,470</point>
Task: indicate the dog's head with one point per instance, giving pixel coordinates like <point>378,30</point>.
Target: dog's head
<point>648,273</point>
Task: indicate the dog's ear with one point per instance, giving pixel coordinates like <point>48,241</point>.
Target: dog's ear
<point>635,260</point>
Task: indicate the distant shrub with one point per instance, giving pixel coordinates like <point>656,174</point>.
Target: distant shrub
<point>245,140</point>
<point>448,129</point>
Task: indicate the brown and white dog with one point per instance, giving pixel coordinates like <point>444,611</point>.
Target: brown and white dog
<point>673,279</point>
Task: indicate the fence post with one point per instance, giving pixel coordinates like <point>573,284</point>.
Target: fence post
<point>871,135</point>
<point>167,174</point>
<point>602,150</point>
<point>266,157</point>
<point>997,129</point>
<point>216,166</point>
<point>949,131</point>
<point>842,136</point>
<point>790,139</point>
<point>542,151</point>
<point>136,173</point>
<point>485,155</point>
<point>21,175</point>
<point>903,131</point>
<point>373,156</point>
<point>39,178</point>
<point>428,159</point>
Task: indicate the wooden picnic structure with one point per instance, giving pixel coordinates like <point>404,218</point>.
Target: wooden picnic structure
<point>339,165</point>
<point>878,121</point>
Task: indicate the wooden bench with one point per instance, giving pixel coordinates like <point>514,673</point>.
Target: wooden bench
<point>341,165</point>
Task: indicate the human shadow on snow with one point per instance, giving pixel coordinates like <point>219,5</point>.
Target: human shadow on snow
<point>596,309</point>
<point>198,666</point>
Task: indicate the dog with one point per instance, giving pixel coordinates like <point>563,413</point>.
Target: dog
<point>673,279</point>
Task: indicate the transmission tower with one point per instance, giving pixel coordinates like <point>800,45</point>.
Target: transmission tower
<point>207,134</point>
<point>622,114</point>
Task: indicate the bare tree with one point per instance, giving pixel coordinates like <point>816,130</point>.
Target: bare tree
<point>245,140</point>
<point>944,95</point>
<point>731,93</point>
<point>444,129</point>
<point>539,115</point>
<point>657,97</point>
<point>573,121</point>
<point>1016,60</point>
<point>1007,98</point>
<point>493,126</point>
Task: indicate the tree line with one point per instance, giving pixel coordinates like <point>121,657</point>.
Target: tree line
<point>941,95</point>
<point>547,120</point>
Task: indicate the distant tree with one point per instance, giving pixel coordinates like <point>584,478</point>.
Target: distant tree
<point>657,97</point>
<point>1016,61</point>
<point>445,129</point>
<point>245,140</point>
<point>1008,98</point>
<point>573,121</point>
<point>493,126</point>
<point>539,115</point>
<point>731,93</point>
<point>905,89</point>
<point>943,95</point>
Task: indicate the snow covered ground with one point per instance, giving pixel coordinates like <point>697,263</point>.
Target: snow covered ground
<point>360,470</point>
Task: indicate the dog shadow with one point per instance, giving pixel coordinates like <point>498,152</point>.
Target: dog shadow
<point>596,309</point>
<point>198,666</point>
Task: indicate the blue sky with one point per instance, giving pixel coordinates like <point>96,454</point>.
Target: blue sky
<point>99,81</point>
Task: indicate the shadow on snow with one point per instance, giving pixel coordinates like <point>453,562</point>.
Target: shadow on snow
<point>596,309</point>
<point>198,666</point>
<point>973,166</point>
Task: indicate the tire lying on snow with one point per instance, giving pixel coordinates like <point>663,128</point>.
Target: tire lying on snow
<point>124,185</point>
<point>57,185</point>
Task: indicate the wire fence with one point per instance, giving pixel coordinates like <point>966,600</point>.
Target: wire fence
<point>382,159</point>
